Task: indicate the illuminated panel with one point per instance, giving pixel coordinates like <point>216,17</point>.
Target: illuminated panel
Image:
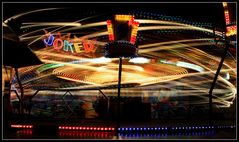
<point>226,13</point>
<point>110,30</point>
<point>86,128</point>
<point>22,126</point>
<point>231,30</point>
<point>135,26</point>
<point>123,17</point>
<point>224,4</point>
<point>227,18</point>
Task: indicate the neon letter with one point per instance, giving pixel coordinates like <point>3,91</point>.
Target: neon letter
<point>89,47</point>
<point>56,45</point>
<point>49,41</point>
<point>78,47</point>
<point>66,45</point>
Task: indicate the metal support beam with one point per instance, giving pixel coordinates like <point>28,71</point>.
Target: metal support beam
<point>30,100</point>
<point>119,86</point>
<point>214,82</point>
<point>34,95</point>
<point>108,104</point>
<point>21,90</point>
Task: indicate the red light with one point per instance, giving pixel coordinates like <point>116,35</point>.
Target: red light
<point>58,44</point>
<point>80,128</point>
<point>83,128</point>
<point>227,17</point>
<point>102,129</point>
<point>113,128</point>
<point>98,128</point>
<point>108,21</point>
<point>109,128</point>
<point>231,30</point>
<point>106,128</point>
<point>66,127</point>
<point>94,128</point>
<point>87,128</point>
<point>73,128</point>
<point>91,128</point>
<point>77,128</point>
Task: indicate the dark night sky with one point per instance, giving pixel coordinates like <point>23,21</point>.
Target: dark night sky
<point>189,10</point>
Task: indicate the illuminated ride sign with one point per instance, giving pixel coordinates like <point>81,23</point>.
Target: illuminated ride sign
<point>122,31</point>
<point>120,21</point>
<point>74,45</point>
<point>231,30</point>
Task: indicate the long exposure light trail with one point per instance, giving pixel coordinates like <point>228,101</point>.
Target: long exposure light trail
<point>178,66</point>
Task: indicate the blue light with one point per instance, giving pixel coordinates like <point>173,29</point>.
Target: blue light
<point>118,128</point>
<point>172,128</point>
<point>202,127</point>
<point>159,128</point>
<point>192,127</point>
<point>137,128</point>
<point>144,128</point>
<point>152,128</point>
<point>126,128</point>
<point>130,129</point>
<point>166,128</point>
<point>122,129</point>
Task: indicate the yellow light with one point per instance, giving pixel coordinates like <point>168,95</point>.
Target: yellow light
<point>110,30</point>
<point>123,17</point>
<point>78,47</point>
<point>231,33</point>
<point>224,4</point>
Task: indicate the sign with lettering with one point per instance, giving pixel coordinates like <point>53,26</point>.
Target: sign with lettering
<point>75,45</point>
<point>231,30</point>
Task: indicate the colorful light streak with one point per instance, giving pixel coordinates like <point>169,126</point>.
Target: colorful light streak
<point>151,77</point>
